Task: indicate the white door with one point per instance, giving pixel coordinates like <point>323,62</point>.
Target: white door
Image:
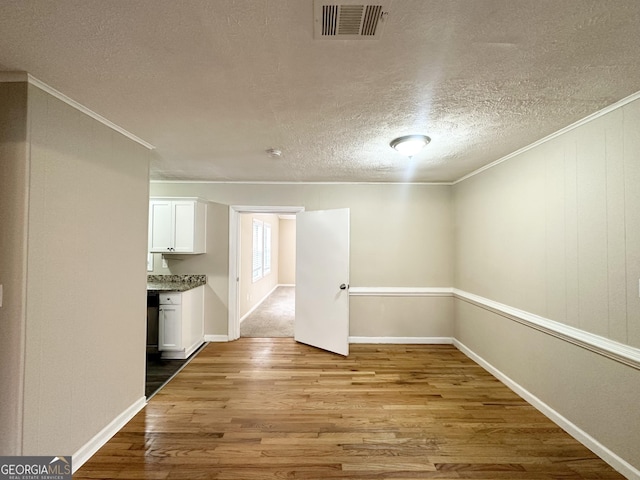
<point>322,279</point>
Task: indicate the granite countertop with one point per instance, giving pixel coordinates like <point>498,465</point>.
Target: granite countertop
<point>174,283</point>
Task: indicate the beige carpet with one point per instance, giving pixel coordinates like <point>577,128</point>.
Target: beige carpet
<point>274,317</point>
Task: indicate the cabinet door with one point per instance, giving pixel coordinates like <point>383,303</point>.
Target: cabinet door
<point>184,226</point>
<point>160,226</point>
<point>170,326</point>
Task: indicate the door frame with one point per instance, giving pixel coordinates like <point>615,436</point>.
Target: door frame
<point>233,329</point>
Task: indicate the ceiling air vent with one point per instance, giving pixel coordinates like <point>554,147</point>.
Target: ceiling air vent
<point>348,20</point>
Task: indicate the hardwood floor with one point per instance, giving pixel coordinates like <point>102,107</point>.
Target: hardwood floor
<point>270,408</point>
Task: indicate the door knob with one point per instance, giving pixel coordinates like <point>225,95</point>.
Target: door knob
<point>343,287</point>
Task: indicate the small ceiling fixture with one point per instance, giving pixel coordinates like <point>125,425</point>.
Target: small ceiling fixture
<point>409,145</point>
<point>274,152</point>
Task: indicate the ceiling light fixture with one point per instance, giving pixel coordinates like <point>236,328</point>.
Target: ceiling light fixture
<point>274,153</point>
<point>409,145</point>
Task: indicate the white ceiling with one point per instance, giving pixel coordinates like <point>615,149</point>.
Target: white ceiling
<point>213,84</point>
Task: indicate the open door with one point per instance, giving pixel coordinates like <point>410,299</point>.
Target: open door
<point>322,279</point>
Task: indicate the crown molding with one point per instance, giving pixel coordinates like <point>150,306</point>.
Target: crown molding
<point>562,131</point>
<point>302,182</point>
<point>13,77</point>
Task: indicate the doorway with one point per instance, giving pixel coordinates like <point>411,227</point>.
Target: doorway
<point>321,278</point>
<point>267,265</point>
<point>250,289</point>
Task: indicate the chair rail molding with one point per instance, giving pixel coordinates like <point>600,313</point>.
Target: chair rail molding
<point>400,291</point>
<point>617,351</point>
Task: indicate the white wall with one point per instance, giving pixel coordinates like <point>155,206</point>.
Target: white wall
<point>287,252</point>
<point>85,248</point>
<point>555,231</point>
<point>401,236</point>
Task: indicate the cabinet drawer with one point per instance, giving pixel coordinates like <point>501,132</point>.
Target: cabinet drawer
<point>170,298</point>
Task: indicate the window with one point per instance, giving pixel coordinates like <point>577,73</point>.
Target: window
<point>261,255</point>
<point>267,249</point>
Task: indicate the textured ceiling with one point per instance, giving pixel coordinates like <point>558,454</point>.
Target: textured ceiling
<point>213,84</point>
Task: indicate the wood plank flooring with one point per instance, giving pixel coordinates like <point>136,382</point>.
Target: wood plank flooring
<point>271,408</point>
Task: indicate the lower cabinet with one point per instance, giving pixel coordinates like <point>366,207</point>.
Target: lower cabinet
<point>181,323</point>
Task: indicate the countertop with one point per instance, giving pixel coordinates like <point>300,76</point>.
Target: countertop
<point>174,283</point>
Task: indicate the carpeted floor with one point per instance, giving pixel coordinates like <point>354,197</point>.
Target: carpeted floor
<point>274,317</point>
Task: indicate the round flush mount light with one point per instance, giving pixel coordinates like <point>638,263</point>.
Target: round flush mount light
<point>274,152</point>
<point>409,145</point>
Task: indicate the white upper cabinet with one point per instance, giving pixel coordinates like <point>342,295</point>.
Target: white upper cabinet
<point>177,225</point>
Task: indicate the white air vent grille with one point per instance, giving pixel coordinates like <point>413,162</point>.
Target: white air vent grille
<point>347,19</point>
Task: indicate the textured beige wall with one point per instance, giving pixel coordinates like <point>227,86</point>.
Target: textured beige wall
<point>387,316</point>
<point>86,290</point>
<point>13,229</point>
<point>251,293</point>
<point>556,231</point>
<point>401,236</point>
<point>287,252</point>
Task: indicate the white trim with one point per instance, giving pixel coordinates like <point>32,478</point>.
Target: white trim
<point>287,210</point>
<point>26,77</point>
<point>617,351</point>
<point>401,291</point>
<point>85,452</point>
<point>621,465</point>
<point>603,346</point>
<point>258,304</point>
<point>283,182</point>
<point>182,354</point>
<point>404,340</point>
<point>286,285</point>
<point>562,131</point>
<point>233,323</point>
<point>216,338</point>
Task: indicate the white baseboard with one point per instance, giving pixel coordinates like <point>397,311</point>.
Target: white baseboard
<point>621,465</point>
<point>404,340</point>
<point>182,354</point>
<point>85,452</point>
<point>286,284</point>
<point>216,338</point>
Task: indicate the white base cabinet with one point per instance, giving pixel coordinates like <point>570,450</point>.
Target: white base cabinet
<point>181,323</point>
